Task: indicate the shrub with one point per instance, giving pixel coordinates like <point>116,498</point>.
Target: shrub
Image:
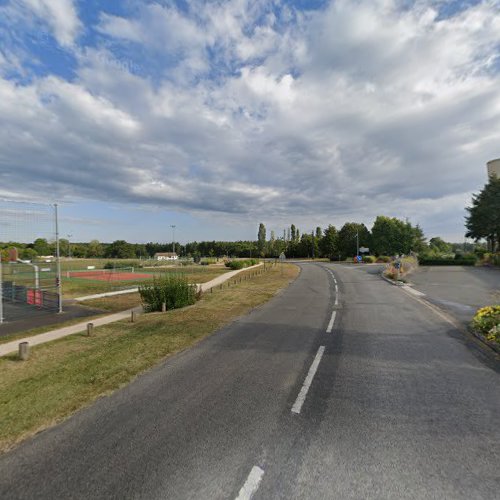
<point>240,264</point>
<point>383,258</point>
<point>369,259</point>
<point>173,289</point>
<point>117,265</point>
<point>466,261</point>
<point>491,259</point>
<point>487,322</point>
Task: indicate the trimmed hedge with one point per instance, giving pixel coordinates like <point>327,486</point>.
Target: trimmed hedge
<point>240,264</point>
<point>447,262</point>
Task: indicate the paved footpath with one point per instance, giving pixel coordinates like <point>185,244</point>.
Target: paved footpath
<point>342,386</point>
<point>58,333</point>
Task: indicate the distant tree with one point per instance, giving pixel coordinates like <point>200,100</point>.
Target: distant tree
<point>438,245</point>
<point>293,233</point>
<point>483,219</point>
<point>319,233</point>
<point>28,254</point>
<point>41,246</point>
<point>329,242</point>
<point>347,238</point>
<point>94,249</point>
<point>392,236</point>
<point>120,249</point>
<point>419,240</point>
<point>261,239</point>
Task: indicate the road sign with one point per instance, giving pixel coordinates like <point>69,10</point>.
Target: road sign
<point>363,250</point>
<point>397,265</point>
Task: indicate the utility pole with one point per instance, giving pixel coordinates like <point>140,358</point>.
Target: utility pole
<point>357,244</point>
<point>173,237</point>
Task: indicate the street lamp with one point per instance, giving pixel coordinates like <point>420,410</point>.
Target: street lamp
<point>173,237</point>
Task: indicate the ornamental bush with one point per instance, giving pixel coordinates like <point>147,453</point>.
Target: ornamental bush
<point>487,322</point>
<point>240,264</point>
<point>171,289</point>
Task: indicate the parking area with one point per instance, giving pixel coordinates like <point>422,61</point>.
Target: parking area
<point>459,290</point>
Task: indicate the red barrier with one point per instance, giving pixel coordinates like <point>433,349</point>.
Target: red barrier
<point>34,297</point>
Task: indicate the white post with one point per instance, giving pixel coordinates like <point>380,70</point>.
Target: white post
<point>37,277</point>
<point>1,291</point>
<point>58,260</point>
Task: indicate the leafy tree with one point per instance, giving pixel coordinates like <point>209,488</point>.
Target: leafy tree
<point>483,219</point>
<point>94,249</point>
<point>329,242</point>
<point>293,233</point>
<point>261,239</point>
<point>392,236</point>
<point>347,238</point>
<point>438,245</point>
<point>41,247</point>
<point>120,249</point>
<point>28,254</point>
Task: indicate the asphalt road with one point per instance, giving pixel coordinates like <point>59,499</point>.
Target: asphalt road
<point>460,290</point>
<point>393,403</point>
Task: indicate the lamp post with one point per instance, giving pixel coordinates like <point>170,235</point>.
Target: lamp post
<point>173,237</point>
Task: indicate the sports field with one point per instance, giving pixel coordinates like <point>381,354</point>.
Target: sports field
<point>81,282</point>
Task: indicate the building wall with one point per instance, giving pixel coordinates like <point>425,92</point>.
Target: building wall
<point>494,167</point>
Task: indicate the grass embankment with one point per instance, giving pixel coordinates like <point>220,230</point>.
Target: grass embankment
<point>79,287</point>
<point>63,376</point>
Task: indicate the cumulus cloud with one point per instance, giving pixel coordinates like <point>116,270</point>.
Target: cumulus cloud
<point>257,110</point>
<point>60,15</point>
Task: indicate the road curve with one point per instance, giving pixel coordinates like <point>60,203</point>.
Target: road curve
<point>392,403</point>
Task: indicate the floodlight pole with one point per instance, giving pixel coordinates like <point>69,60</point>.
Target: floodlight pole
<point>58,261</point>
<point>69,245</point>
<point>173,237</point>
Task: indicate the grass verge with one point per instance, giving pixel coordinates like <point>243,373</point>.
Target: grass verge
<point>63,376</point>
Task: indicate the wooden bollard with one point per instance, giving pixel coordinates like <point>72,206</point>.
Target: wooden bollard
<point>211,290</point>
<point>133,317</point>
<point>24,351</point>
<point>163,307</point>
<point>90,329</point>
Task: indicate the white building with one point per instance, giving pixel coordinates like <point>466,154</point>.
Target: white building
<point>494,167</point>
<point>166,256</point>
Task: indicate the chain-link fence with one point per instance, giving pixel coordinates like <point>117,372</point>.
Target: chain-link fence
<point>29,265</point>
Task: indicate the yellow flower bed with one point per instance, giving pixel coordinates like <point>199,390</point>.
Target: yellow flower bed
<point>487,322</point>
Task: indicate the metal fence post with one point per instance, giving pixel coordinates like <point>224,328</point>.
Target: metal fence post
<point>1,291</point>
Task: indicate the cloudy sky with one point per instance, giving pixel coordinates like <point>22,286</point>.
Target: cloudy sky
<point>217,115</point>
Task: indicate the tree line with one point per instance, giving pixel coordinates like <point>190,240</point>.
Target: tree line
<point>388,236</point>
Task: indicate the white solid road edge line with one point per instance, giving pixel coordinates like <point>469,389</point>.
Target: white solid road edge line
<point>332,320</point>
<point>251,484</point>
<point>297,406</point>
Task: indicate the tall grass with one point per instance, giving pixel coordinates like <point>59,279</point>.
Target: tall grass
<point>172,289</point>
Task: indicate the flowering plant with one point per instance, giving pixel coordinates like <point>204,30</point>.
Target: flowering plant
<point>487,322</point>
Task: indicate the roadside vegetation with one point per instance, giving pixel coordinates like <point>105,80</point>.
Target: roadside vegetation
<point>486,323</point>
<point>63,376</point>
<point>173,291</point>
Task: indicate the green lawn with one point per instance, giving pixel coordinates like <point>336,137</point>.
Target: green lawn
<point>63,376</point>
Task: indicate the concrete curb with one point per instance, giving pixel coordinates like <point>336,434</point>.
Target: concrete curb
<point>392,282</point>
<point>41,338</point>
